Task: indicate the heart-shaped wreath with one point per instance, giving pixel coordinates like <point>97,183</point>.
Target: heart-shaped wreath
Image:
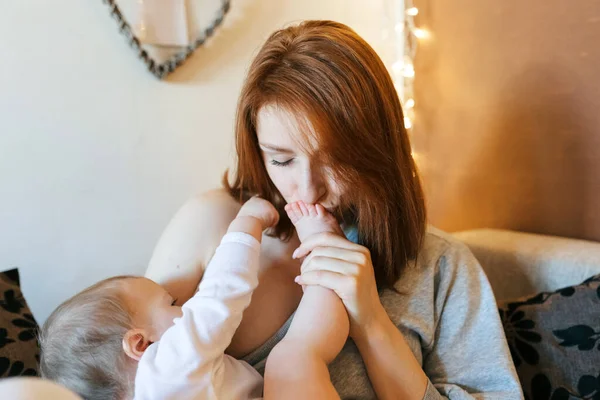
<point>162,69</point>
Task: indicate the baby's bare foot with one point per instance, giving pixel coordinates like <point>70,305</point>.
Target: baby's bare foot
<point>310,219</point>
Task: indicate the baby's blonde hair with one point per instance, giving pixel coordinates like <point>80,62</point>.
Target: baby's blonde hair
<point>81,342</point>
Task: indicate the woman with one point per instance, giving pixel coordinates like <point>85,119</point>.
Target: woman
<point>319,121</point>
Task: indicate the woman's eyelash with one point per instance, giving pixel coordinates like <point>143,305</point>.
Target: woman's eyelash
<point>174,301</point>
<point>281,164</point>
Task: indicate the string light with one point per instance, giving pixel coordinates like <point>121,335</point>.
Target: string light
<point>412,11</point>
<point>421,33</point>
<point>398,67</point>
<point>409,71</point>
<point>407,36</point>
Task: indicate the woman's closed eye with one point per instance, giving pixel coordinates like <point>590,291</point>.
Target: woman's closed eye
<point>281,163</point>
<point>174,302</point>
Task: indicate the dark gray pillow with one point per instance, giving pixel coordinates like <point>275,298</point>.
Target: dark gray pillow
<point>554,339</point>
<point>19,350</point>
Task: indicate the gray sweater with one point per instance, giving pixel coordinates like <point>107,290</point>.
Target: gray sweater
<point>449,317</point>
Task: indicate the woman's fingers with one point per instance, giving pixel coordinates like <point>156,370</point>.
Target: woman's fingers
<point>323,263</point>
<point>327,279</point>
<point>326,239</point>
<point>352,256</point>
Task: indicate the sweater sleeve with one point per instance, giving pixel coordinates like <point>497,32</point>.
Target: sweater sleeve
<point>468,357</point>
<point>190,354</point>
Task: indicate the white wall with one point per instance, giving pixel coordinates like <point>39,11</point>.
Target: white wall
<point>96,154</point>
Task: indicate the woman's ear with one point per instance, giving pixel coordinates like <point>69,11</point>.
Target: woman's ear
<point>135,342</point>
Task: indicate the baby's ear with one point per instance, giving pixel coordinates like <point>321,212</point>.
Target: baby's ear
<point>135,342</point>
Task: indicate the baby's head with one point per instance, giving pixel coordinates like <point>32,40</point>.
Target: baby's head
<point>91,343</point>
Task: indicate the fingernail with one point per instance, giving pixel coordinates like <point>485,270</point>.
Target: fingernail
<point>297,279</point>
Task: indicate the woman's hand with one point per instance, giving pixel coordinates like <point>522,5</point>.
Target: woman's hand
<point>346,268</point>
<point>336,263</point>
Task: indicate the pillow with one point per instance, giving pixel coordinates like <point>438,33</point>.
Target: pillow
<point>19,350</point>
<point>554,340</point>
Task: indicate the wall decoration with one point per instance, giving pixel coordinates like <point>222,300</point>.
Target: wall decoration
<point>164,34</point>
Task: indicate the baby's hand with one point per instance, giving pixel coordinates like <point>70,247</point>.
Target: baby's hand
<point>260,209</point>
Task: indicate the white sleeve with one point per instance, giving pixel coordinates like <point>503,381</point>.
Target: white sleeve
<point>192,350</point>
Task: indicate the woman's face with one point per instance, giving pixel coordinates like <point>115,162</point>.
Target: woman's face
<point>297,174</point>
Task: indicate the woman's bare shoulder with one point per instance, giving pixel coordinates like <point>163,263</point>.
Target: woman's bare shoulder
<point>192,235</point>
<point>218,200</point>
<point>210,211</point>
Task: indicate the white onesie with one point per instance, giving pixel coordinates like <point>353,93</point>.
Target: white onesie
<point>189,360</point>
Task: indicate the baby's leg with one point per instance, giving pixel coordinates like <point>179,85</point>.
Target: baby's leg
<point>321,321</point>
<point>295,372</point>
<point>297,367</point>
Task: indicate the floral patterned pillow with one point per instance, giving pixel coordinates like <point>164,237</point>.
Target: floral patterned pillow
<point>554,339</point>
<point>19,351</point>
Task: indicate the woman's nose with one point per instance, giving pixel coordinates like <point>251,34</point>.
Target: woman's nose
<point>312,188</point>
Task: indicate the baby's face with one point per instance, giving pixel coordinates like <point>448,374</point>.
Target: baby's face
<point>152,306</point>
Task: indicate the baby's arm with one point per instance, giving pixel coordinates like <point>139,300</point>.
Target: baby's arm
<point>297,366</point>
<point>187,352</point>
<point>210,318</point>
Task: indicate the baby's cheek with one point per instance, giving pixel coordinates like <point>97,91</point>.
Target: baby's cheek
<point>167,318</point>
<point>175,313</point>
<point>178,312</point>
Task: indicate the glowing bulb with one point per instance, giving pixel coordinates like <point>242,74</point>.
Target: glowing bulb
<point>421,33</point>
<point>412,11</point>
<point>407,123</point>
<point>409,71</point>
<point>398,66</point>
<point>410,103</point>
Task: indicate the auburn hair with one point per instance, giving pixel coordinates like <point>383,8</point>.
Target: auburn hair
<point>330,79</point>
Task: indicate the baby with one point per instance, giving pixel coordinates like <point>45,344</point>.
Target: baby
<point>124,338</point>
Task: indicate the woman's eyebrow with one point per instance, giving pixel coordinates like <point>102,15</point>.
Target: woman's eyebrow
<point>271,147</point>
